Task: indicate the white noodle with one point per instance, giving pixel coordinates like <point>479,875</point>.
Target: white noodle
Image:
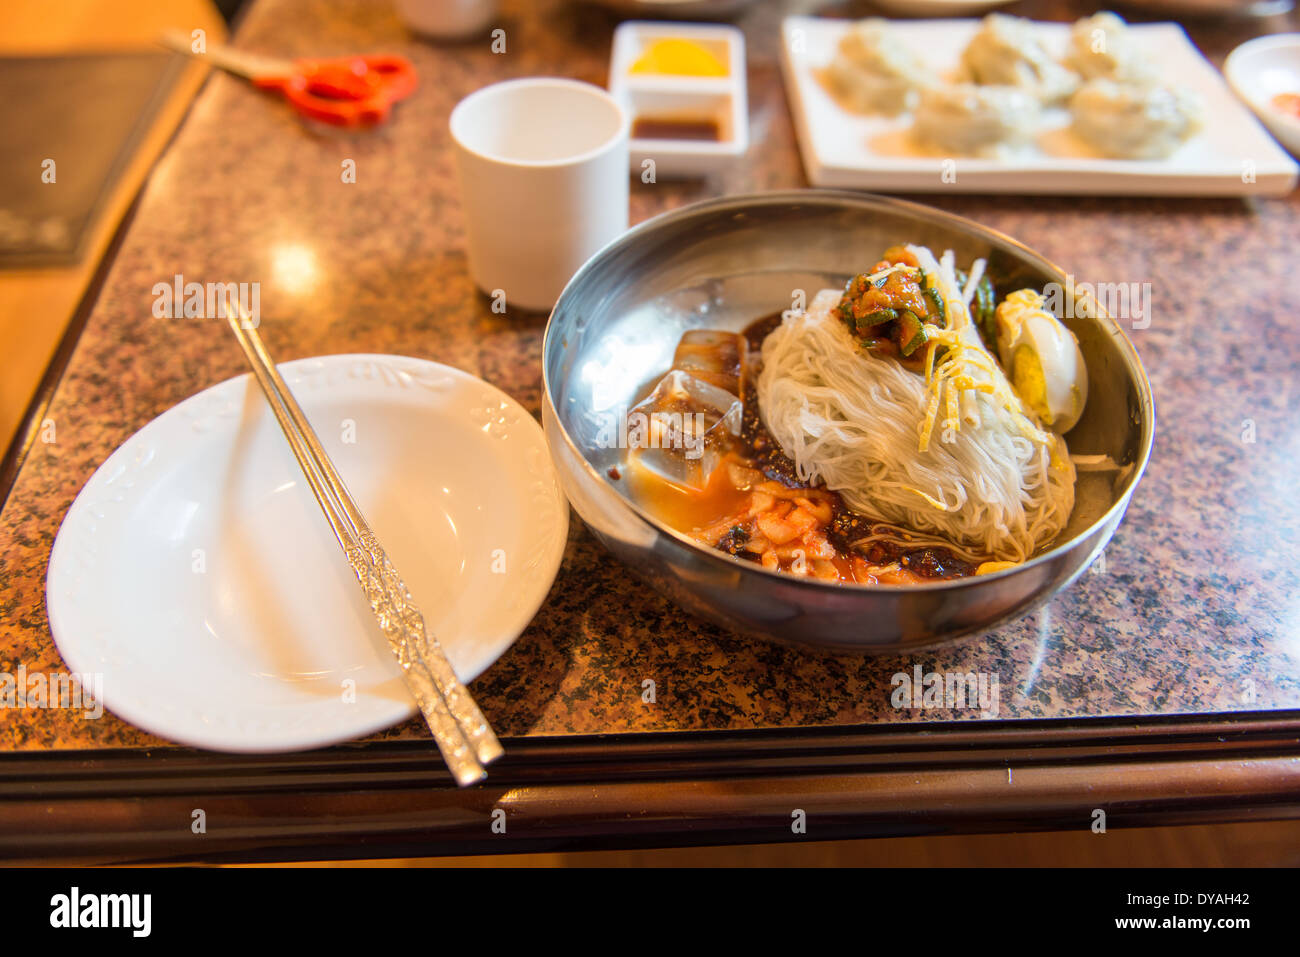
<point>995,483</point>
<point>973,280</point>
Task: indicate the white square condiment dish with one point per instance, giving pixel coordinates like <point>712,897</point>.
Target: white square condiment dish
<point>677,99</point>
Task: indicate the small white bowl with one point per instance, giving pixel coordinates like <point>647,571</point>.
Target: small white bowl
<point>721,100</point>
<point>447,19</point>
<point>1260,69</point>
<point>937,8</point>
<point>695,9</point>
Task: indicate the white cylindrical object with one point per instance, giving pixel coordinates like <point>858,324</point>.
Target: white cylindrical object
<point>447,19</point>
<point>544,183</point>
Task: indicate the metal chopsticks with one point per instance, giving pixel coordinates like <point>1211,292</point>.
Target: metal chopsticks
<point>464,736</point>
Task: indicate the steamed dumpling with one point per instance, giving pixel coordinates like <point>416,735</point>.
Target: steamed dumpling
<point>1135,121</point>
<point>975,120</point>
<point>1006,51</point>
<point>873,73</point>
<point>1102,46</point>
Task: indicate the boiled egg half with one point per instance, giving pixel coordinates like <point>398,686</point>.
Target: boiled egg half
<point>1042,360</point>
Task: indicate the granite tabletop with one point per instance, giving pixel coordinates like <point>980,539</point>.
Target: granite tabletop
<point>1189,611</point>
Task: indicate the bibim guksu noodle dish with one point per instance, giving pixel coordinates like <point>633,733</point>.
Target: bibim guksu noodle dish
<point>904,429</point>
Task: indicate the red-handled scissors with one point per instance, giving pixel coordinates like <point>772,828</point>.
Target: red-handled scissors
<point>344,91</point>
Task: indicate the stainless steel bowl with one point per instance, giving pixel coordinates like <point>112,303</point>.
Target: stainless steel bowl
<point>723,263</point>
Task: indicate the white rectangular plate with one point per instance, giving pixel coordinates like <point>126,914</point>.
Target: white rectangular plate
<point>1232,156</point>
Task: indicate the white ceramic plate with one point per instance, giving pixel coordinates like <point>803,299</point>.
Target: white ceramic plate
<point>196,573</point>
<point>1259,70</point>
<point>1232,156</point>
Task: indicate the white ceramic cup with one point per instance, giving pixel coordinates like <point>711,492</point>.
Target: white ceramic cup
<point>543,181</point>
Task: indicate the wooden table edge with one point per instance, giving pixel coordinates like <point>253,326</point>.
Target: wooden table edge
<point>595,792</point>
